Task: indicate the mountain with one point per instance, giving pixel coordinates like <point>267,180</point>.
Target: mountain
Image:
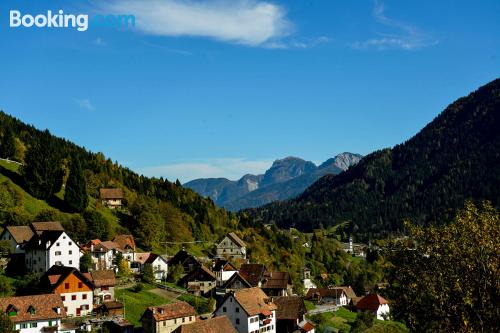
<point>426,179</point>
<point>285,179</point>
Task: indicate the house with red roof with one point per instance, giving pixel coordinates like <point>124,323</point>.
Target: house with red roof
<point>375,304</point>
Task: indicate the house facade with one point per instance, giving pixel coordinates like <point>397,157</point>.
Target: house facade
<point>231,247</point>
<point>200,282</point>
<point>36,313</point>
<point>73,287</point>
<point>375,304</point>
<point>111,197</point>
<point>235,282</point>
<point>166,318</point>
<point>277,284</point>
<point>158,263</point>
<point>104,285</point>
<point>290,315</point>
<point>336,296</point>
<point>17,236</point>
<point>50,248</point>
<point>184,259</point>
<point>223,270</point>
<point>249,310</point>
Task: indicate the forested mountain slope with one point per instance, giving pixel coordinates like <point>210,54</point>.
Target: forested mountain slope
<point>425,179</point>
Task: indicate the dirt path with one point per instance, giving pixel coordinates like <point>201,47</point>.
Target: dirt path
<point>166,293</point>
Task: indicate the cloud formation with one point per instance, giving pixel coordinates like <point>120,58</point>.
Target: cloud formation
<point>247,22</point>
<point>84,104</point>
<point>407,37</point>
<point>231,168</point>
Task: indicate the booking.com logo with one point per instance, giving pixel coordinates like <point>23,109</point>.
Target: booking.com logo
<point>59,19</point>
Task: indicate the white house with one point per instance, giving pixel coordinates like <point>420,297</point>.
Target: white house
<point>231,247</point>
<point>159,264</point>
<point>35,313</point>
<point>375,304</point>
<point>73,287</point>
<point>249,310</point>
<point>306,280</point>
<point>49,246</point>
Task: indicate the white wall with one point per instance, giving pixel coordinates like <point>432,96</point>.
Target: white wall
<point>76,304</point>
<point>68,253</point>
<point>383,310</point>
<point>40,325</point>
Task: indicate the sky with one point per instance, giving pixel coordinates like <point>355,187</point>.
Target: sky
<point>221,88</point>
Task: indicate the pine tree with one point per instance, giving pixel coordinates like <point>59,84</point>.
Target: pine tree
<point>75,195</point>
<point>42,171</point>
<point>8,144</point>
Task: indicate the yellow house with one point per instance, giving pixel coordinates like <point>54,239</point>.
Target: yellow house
<point>166,318</point>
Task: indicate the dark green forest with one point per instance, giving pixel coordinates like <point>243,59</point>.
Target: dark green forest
<point>425,179</point>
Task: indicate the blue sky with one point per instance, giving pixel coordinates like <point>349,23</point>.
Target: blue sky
<point>222,88</point>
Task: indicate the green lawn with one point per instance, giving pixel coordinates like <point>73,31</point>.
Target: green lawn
<point>136,303</point>
<point>309,305</point>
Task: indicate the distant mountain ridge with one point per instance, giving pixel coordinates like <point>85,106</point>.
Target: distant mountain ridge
<point>426,179</point>
<point>286,178</point>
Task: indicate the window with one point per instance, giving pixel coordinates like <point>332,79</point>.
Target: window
<point>80,285</point>
<point>58,253</point>
<point>237,321</point>
<point>70,243</point>
<point>58,263</point>
<point>50,323</point>
<point>24,325</point>
<point>71,262</point>
<point>224,309</point>
<point>237,309</point>
<point>63,298</point>
<point>34,325</point>
<point>70,252</point>
<point>84,296</point>
<point>73,297</point>
<point>66,286</point>
<point>165,323</point>
<point>183,320</point>
<point>58,244</point>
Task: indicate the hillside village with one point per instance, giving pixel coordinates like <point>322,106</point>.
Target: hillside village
<point>81,287</point>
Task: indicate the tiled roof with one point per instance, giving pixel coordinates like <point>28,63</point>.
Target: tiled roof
<point>171,311</point>
<point>125,241</point>
<point>44,306</point>
<point>142,257</point>
<point>57,274</point>
<point>324,292</point>
<point>254,301</point>
<point>214,325</point>
<point>46,226</point>
<point>21,234</point>
<point>236,276</point>
<point>223,264</point>
<point>104,277</point>
<point>289,307</point>
<point>370,302</point>
<point>276,280</point>
<point>236,239</point>
<point>253,273</point>
<point>349,292</point>
<point>181,257</point>
<point>112,305</point>
<point>306,326</point>
<point>111,193</point>
<point>106,246</point>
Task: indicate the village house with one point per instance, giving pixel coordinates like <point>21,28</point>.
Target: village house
<point>273,283</point>
<point>102,253</point>
<point>290,313</point>
<point>235,282</point>
<point>110,308</point>
<point>35,313</point>
<point>166,318</point>
<point>73,287</point>
<point>118,325</point>
<point>249,310</point>
<point>336,295</point>
<point>49,246</point>
<point>157,262</point>
<point>126,245</point>
<point>184,259</point>
<point>231,247</point>
<point>200,282</point>
<point>277,284</point>
<point>17,236</point>
<point>111,197</point>
<point>223,270</point>
<point>213,325</point>
<point>104,285</point>
<point>375,304</point>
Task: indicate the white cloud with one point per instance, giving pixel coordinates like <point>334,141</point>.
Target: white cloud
<point>408,37</point>
<point>248,22</point>
<point>231,168</point>
<point>84,104</point>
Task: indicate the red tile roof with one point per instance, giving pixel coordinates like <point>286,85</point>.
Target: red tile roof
<point>254,301</point>
<point>125,241</point>
<point>44,306</point>
<point>370,302</point>
<point>214,325</point>
<point>104,277</point>
<point>170,311</point>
